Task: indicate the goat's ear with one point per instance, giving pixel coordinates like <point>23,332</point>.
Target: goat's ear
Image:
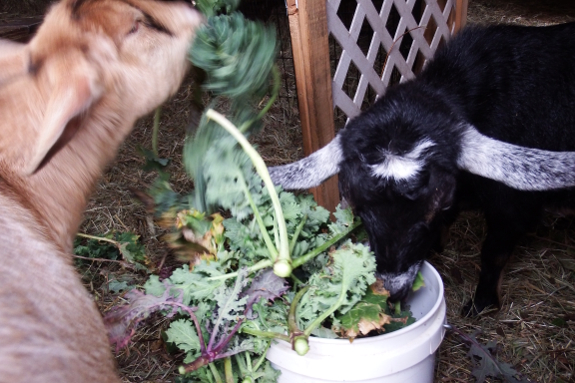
<point>13,60</point>
<point>73,87</point>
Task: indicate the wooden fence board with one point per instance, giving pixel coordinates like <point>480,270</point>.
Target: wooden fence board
<point>308,26</point>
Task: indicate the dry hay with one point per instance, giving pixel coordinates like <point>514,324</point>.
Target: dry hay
<point>535,328</point>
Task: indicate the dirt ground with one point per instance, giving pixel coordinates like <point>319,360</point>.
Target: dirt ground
<point>535,329</point>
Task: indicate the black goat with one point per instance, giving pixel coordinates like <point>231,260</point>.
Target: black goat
<point>486,125</point>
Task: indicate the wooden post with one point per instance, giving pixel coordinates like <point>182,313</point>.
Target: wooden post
<point>310,45</point>
<point>460,14</point>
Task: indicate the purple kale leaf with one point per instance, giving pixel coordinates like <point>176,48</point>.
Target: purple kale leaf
<point>266,285</point>
<point>122,321</point>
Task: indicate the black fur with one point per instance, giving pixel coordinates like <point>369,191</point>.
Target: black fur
<point>515,84</point>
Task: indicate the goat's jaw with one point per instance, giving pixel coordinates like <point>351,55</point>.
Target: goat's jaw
<point>400,284</point>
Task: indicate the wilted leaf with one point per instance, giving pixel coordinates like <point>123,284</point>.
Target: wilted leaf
<point>378,289</point>
<point>363,318</point>
<point>485,364</point>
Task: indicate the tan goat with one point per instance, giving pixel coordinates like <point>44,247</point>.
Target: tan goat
<point>67,101</point>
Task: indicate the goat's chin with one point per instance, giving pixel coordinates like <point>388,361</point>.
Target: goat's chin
<point>400,284</point>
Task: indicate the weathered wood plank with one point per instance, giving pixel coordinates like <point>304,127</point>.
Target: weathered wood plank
<point>309,34</point>
<point>460,14</point>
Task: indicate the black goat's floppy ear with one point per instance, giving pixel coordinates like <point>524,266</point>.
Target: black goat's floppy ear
<point>515,166</point>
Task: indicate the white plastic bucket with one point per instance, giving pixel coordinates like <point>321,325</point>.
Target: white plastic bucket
<point>403,356</point>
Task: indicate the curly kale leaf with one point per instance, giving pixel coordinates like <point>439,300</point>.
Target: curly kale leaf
<point>213,7</point>
<point>237,55</point>
<point>341,282</point>
<point>195,284</point>
<point>183,334</point>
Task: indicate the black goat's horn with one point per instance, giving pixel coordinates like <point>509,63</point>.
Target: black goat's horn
<point>310,171</point>
<point>516,166</point>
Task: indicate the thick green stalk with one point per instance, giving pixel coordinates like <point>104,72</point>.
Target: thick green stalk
<point>261,360</point>
<point>155,131</point>
<point>248,361</point>
<point>103,239</point>
<point>258,266</point>
<point>274,94</point>
<point>327,313</point>
<point>229,370</point>
<point>326,245</point>
<point>265,334</point>
<point>265,235</point>
<point>292,323</point>
<point>298,261</point>
<point>295,237</point>
<point>215,373</point>
<point>282,266</point>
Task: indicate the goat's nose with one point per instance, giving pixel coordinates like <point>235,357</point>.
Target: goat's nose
<point>191,13</point>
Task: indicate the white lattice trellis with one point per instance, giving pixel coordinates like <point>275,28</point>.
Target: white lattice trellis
<point>322,86</point>
<point>433,27</point>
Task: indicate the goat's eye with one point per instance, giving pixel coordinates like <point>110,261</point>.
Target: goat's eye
<point>135,27</point>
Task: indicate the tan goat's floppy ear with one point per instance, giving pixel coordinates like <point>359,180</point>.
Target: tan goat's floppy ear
<point>73,88</point>
<point>13,60</point>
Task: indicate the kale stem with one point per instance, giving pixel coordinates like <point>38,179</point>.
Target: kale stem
<point>228,370</point>
<point>274,94</point>
<point>282,266</point>
<point>261,359</point>
<point>292,323</point>
<point>265,235</point>
<point>103,239</point>
<point>155,131</point>
<point>258,266</point>
<point>327,313</point>
<point>219,320</point>
<point>297,233</point>
<point>265,334</point>
<point>326,245</point>
<point>298,261</point>
<point>248,361</point>
<point>215,373</point>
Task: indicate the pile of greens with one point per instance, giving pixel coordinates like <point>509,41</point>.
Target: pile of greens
<point>276,267</point>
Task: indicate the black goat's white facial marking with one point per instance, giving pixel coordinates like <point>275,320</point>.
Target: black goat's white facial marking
<point>310,171</point>
<point>402,167</point>
<point>516,166</point>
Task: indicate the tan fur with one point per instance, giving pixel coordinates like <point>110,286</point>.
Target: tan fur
<point>67,101</point>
